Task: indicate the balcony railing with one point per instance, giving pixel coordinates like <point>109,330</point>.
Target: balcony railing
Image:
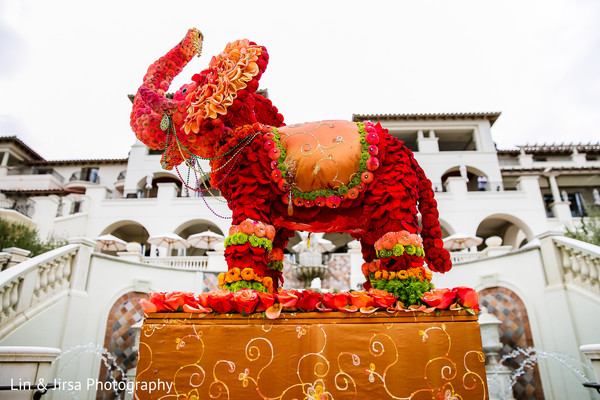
<point>23,206</point>
<point>35,171</point>
<point>186,263</point>
<point>92,177</point>
<point>460,257</point>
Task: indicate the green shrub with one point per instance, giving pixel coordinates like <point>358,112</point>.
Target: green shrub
<point>589,231</point>
<point>21,236</point>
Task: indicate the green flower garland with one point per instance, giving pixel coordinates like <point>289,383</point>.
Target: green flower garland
<point>276,265</point>
<point>241,238</point>
<point>342,190</point>
<point>398,250</point>
<point>239,285</point>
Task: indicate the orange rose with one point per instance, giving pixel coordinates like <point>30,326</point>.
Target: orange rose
<point>382,298</point>
<point>439,298</point>
<point>233,275</point>
<point>365,269</point>
<point>403,238</point>
<point>175,300</point>
<point>467,297</point>
<point>361,299</point>
<point>247,274</point>
<point>158,301</point>
<point>266,300</point>
<point>288,299</point>
<point>147,306</point>
<point>267,282</point>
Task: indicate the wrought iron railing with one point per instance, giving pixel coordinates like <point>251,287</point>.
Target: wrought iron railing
<point>23,206</point>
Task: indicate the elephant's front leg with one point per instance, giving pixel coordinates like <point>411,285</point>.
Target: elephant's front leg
<point>251,261</point>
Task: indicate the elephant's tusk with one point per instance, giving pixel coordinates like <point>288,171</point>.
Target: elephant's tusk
<point>198,43</point>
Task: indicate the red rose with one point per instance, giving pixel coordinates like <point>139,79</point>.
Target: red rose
<point>335,301</point>
<point>266,300</point>
<point>382,298</point>
<point>158,301</point>
<point>308,300</point>
<point>244,301</point>
<point>220,301</point>
<point>287,299</point>
<point>467,297</point>
<point>439,298</point>
<point>276,255</point>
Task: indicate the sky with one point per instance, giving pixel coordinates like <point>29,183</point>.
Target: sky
<point>66,66</point>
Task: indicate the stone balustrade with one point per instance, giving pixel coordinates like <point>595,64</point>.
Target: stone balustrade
<point>186,263</point>
<point>580,263</point>
<point>30,285</point>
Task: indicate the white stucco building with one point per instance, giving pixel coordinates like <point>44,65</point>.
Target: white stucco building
<point>544,287</point>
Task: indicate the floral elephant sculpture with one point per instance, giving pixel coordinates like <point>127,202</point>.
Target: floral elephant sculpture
<point>329,176</point>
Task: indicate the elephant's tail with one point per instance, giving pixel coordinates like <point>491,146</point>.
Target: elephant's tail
<point>438,258</point>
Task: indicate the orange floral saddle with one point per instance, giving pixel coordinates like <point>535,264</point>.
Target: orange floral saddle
<point>321,155</point>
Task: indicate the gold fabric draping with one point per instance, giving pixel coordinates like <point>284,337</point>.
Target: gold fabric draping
<point>406,355</point>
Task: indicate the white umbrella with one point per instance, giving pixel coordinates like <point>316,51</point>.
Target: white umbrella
<point>169,240</point>
<point>460,241</point>
<point>205,240</point>
<point>110,243</point>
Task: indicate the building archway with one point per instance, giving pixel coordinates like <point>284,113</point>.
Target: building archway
<point>148,186</point>
<point>471,173</point>
<point>129,231</point>
<point>119,338</point>
<point>446,229</point>
<point>511,229</point>
<point>515,332</point>
<point>196,226</point>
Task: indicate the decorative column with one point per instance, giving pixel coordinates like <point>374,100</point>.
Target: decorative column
<point>498,375</point>
<point>560,208</point>
<point>427,144</point>
<point>4,164</point>
<point>130,374</point>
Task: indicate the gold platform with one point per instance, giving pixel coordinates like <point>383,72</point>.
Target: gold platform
<point>405,355</point>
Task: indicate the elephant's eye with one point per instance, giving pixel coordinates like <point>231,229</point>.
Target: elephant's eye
<point>184,90</point>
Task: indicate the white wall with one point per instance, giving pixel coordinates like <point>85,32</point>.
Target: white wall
<point>560,320</point>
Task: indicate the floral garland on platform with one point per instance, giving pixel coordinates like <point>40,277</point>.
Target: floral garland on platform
<point>236,279</point>
<point>248,301</point>
<point>396,243</point>
<point>252,261</point>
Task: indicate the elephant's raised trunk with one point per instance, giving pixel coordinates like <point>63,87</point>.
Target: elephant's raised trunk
<point>150,102</point>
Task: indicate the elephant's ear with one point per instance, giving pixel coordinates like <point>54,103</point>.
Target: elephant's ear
<point>231,76</point>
